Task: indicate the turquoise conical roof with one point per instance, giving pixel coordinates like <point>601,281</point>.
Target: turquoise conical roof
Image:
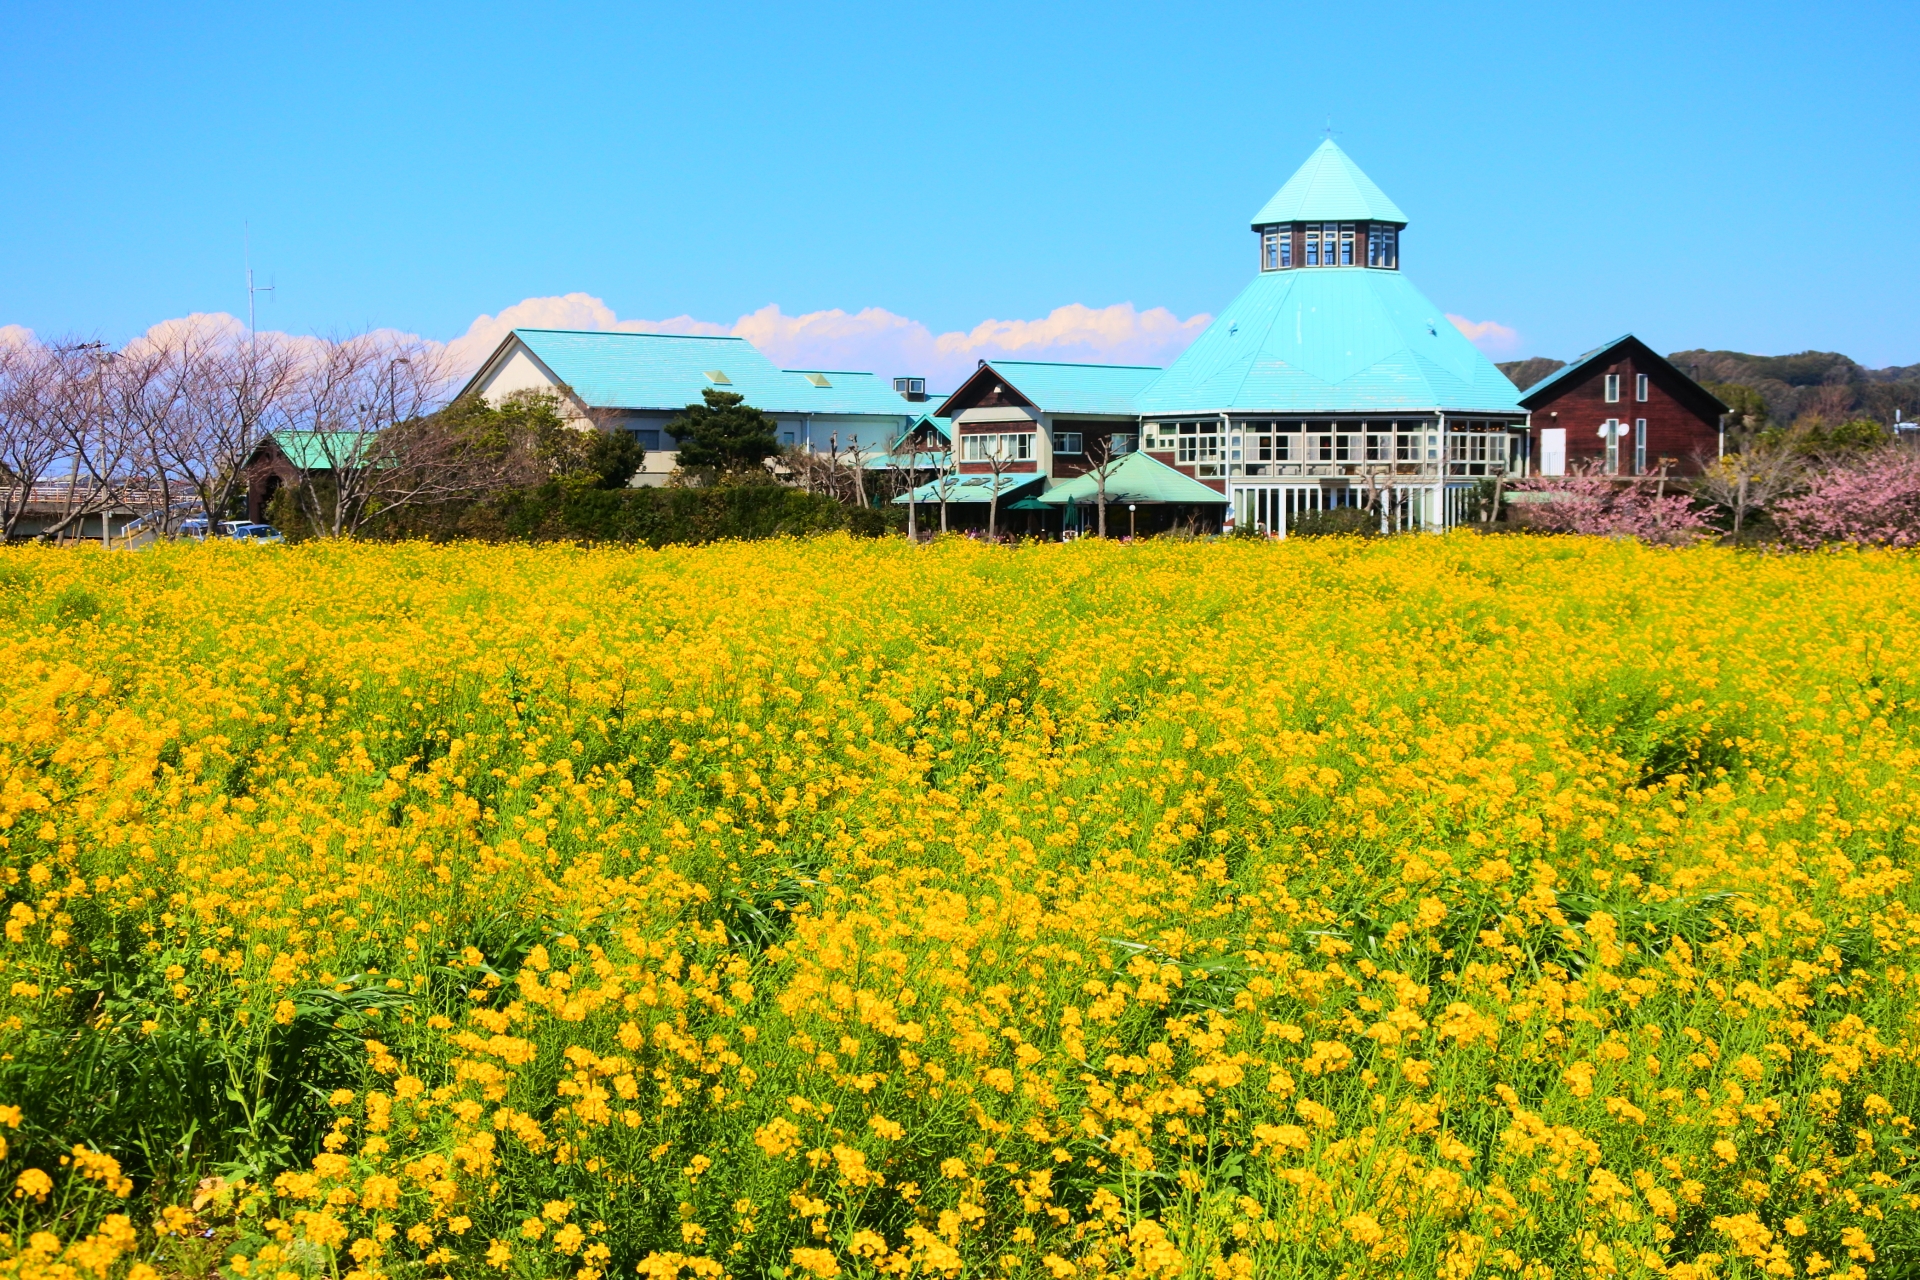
<point>1330,340</point>
<point>1329,187</point>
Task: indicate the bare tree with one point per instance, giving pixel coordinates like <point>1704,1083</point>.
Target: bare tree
<point>945,473</point>
<point>998,465</point>
<point>1105,460</point>
<point>30,437</point>
<point>93,449</point>
<point>1761,472</point>
<point>361,411</point>
<point>236,397</point>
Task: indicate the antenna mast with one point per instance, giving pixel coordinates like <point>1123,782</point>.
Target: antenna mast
<point>246,241</point>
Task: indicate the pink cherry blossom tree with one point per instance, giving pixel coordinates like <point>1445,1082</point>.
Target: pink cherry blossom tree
<point>1867,500</point>
<point>1590,502</point>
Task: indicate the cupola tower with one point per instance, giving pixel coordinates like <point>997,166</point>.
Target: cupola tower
<point>1329,214</point>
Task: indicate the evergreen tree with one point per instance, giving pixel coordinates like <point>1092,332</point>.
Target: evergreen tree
<point>724,434</point>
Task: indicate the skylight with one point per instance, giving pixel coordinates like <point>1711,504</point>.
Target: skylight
<point>818,379</point>
<point>719,378</point>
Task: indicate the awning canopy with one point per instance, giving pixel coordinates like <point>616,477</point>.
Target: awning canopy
<point>973,488</point>
<point>1135,478</point>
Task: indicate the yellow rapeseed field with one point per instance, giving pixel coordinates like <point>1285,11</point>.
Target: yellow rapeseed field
<point>1433,907</point>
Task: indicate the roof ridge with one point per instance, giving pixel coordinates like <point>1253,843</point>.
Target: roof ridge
<point>1077,364</point>
<point>630,333</point>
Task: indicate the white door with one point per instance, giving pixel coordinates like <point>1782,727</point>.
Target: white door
<point>1553,451</point>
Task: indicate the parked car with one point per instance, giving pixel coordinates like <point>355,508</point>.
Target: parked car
<point>194,527</point>
<point>254,533</point>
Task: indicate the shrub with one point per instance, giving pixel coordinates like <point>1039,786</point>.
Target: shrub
<point>656,517</point>
<point>1338,522</point>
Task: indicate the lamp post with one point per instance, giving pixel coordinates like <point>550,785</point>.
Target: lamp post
<point>1130,510</point>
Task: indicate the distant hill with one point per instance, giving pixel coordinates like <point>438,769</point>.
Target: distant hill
<point>1821,384</point>
<point>1524,373</point>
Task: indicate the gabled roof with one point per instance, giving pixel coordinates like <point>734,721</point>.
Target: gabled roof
<point>670,371</point>
<point>317,450</point>
<point>1059,388</point>
<point>848,392</point>
<point>1330,340</point>
<point>1136,477</point>
<point>1329,187</point>
<point>1567,376</point>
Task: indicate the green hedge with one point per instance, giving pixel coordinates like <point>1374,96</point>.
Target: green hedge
<point>655,517</point>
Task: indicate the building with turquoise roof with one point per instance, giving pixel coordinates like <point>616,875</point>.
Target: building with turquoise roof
<point>640,382</point>
<point>1331,380</point>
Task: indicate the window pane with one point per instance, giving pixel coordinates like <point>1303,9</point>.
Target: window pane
<point>1346,244</point>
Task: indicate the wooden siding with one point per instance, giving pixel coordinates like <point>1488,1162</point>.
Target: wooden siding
<point>1676,432</point>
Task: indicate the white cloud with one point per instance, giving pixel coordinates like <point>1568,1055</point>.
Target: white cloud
<point>15,335</point>
<point>568,311</point>
<point>873,340</point>
<point>1492,337</point>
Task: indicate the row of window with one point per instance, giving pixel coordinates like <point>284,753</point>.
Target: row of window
<point>1612,429</point>
<point>1018,446</point>
<point>1639,388</point>
<point>1328,244</point>
<point>1206,451</point>
<point>1011,446</point>
<point>1162,435</point>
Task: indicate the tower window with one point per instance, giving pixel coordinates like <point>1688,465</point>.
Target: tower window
<point>1373,246</point>
<point>1270,249</point>
<point>1329,240</point>
<point>1286,248</point>
<point>1389,247</point>
<point>1313,246</point>
<point>1640,387</point>
<point>1346,244</point>
<point>1613,389</point>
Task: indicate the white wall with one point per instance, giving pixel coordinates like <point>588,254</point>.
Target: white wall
<point>518,372</point>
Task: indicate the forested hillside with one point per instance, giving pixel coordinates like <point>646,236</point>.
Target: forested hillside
<point>1823,384</point>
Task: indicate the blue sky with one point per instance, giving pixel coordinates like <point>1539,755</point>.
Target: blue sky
<point>1719,176</point>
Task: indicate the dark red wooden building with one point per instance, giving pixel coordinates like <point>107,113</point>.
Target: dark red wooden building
<point>1625,409</point>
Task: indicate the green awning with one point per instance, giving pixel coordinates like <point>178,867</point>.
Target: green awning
<point>1136,477</point>
<point>973,488</point>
